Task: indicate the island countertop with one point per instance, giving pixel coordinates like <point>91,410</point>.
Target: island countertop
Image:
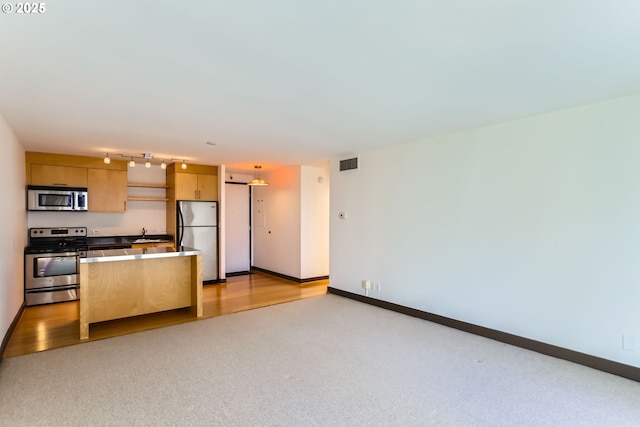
<point>108,255</point>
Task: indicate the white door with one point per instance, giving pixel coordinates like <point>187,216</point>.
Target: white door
<point>238,232</point>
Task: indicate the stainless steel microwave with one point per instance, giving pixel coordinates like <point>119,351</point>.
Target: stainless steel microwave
<point>56,198</point>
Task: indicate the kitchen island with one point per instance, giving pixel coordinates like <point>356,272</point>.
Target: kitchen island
<point>119,283</point>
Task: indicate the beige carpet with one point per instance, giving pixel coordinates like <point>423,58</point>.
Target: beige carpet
<point>324,361</point>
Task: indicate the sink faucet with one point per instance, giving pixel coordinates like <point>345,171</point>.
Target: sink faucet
<point>144,232</point>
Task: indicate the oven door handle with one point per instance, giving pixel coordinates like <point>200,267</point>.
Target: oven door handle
<point>52,254</point>
<point>52,289</point>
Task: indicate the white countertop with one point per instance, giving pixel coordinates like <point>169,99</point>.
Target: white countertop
<point>108,255</point>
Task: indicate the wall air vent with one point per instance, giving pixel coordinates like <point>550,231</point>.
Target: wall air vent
<point>348,164</point>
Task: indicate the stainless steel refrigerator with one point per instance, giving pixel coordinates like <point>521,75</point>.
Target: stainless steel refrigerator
<point>198,228</point>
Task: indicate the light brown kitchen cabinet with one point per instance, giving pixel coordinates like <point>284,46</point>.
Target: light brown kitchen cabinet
<point>58,176</point>
<point>107,190</point>
<point>64,170</point>
<point>207,187</point>
<point>185,186</point>
<point>196,187</point>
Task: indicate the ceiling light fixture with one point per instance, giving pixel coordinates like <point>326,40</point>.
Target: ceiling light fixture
<point>132,164</point>
<point>107,159</point>
<point>163,165</point>
<point>148,158</point>
<point>184,163</point>
<point>257,181</point>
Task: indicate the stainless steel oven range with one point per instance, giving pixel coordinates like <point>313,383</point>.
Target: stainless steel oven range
<point>51,262</point>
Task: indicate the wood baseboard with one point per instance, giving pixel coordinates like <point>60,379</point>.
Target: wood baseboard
<point>293,279</point>
<point>605,365</point>
<point>12,327</point>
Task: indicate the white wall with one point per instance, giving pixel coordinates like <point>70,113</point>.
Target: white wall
<point>150,215</point>
<point>314,218</point>
<point>291,222</point>
<point>530,227</point>
<point>222,224</point>
<point>13,234</point>
<point>276,222</point>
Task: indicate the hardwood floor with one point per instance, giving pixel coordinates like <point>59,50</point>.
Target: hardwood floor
<point>56,325</point>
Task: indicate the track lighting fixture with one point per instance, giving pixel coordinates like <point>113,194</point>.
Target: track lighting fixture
<point>148,158</point>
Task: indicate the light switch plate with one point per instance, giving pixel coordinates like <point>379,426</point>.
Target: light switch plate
<point>631,343</point>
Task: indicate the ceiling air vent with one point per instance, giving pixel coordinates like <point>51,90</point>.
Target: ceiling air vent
<point>348,164</point>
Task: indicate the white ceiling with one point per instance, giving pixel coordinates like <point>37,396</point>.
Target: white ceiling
<point>299,82</point>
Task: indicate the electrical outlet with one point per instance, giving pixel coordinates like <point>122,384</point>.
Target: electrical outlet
<point>367,284</point>
<point>376,286</point>
<point>95,231</point>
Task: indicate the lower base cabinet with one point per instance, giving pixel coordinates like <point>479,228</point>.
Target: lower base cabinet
<point>117,289</point>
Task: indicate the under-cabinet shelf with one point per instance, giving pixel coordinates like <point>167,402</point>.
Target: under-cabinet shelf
<point>148,199</point>
<point>142,184</point>
<point>141,198</point>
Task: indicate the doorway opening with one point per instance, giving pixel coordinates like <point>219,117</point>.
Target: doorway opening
<point>238,228</point>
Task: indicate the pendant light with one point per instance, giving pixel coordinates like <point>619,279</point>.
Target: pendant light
<point>163,165</point>
<point>107,159</point>
<point>257,181</point>
<point>132,163</point>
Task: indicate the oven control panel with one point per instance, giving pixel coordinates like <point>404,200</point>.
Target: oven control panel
<point>58,232</point>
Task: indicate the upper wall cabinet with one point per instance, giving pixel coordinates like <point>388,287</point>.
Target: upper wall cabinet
<point>197,182</point>
<point>107,190</point>
<point>207,187</point>
<point>196,187</point>
<point>106,184</point>
<point>65,176</point>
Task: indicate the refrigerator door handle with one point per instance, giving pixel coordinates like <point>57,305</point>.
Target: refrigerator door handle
<point>180,226</point>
